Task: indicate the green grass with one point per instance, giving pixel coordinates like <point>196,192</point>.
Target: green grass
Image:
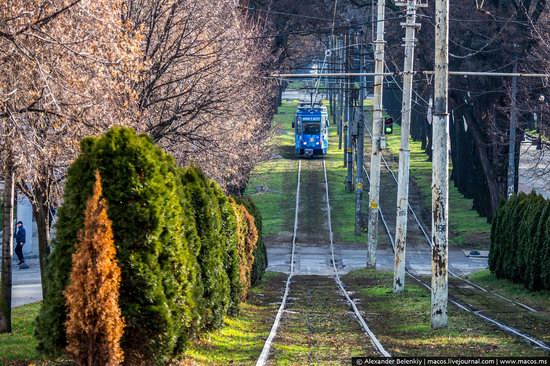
<point>538,299</point>
<point>342,202</point>
<point>467,228</point>
<point>242,338</point>
<point>277,177</point>
<point>402,322</point>
<point>20,344</point>
<point>535,132</point>
<point>296,84</point>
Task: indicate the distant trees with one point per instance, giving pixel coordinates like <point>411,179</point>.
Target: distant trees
<point>484,36</point>
<point>202,96</point>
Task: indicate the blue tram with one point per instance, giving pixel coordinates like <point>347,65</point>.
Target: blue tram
<point>311,128</point>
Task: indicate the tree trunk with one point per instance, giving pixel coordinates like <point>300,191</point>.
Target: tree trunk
<point>42,215</point>
<point>7,245</point>
<point>495,185</point>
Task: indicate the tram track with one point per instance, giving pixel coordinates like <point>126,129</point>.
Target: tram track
<point>377,346</point>
<point>428,243</point>
<point>534,341</point>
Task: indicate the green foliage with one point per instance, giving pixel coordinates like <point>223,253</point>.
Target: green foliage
<point>229,241</point>
<point>260,252</point>
<point>159,271</point>
<point>212,253</point>
<point>520,249</point>
<point>176,239</point>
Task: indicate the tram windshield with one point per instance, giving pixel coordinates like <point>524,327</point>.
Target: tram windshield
<point>312,128</point>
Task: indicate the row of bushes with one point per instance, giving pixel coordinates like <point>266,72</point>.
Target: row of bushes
<point>520,241</point>
<point>187,252</point>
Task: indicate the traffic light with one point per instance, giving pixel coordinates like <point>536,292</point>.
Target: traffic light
<point>388,126</point>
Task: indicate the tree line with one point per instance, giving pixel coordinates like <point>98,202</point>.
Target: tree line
<point>186,254</point>
<point>489,35</point>
<point>186,72</point>
<point>520,241</point>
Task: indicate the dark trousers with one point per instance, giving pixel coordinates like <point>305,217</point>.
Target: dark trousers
<point>19,252</point>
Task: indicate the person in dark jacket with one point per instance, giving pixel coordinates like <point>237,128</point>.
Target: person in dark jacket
<point>20,237</point>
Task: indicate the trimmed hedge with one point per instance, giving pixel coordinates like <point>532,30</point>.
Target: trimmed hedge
<point>176,242</point>
<point>520,241</point>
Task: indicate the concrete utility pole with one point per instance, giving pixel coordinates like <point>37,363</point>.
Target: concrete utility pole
<point>513,128</point>
<point>351,121</point>
<point>440,175</point>
<point>377,126</point>
<point>346,100</point>
<point>404,153</point>
<point>341,99</point>
<point>328,87</point>
<point>360,116</point>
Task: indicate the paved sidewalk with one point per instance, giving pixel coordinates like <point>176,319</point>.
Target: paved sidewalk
<point>27,286</point>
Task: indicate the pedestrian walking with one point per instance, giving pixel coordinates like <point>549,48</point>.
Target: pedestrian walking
<point>20,237</point>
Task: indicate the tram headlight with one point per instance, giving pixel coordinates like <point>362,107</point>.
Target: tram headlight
<point>317,143</point>
<point>305,142</point>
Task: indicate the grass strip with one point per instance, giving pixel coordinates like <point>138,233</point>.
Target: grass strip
<point>402,322</point>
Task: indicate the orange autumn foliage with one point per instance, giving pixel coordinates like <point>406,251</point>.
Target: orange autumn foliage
<point>247,235</point>
<point>94,320</point>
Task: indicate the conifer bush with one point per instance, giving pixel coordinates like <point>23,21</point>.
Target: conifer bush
<point>544,240</point>
<point>187,253</point>
<point>260,252</point>
<point>520,249</point>
<point>248,239</point>
<point>94,320</point>
<point>212,250</point>
<point>158,267</point>
<point>229,236</point>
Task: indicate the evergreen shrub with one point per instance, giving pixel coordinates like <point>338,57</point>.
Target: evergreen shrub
<point>158,268</point>
<point>520,245</point>
<point>187,253</point>
<point>260,252</point>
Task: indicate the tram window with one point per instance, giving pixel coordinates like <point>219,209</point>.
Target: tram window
<point>311,129</point>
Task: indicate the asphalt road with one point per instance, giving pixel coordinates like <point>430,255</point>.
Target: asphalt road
<point>315,259</point>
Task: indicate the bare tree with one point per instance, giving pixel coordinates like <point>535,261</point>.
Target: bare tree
<point>66,71</point>
<point>201,96</point>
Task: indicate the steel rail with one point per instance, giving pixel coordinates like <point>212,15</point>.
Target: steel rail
<point>452,273</point>
<point>463,306</point>
<point>262,360</point>
<point>374,340</point>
